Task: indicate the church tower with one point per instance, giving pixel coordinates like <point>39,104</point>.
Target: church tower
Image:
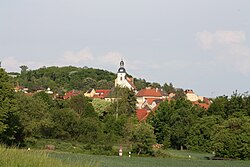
<point>121,79</point>
<point>121,74</point>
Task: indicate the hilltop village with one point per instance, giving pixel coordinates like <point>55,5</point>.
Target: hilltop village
<point>95,112</point>
<point>148,99</point>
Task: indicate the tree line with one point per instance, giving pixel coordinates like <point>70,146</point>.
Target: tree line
<point>97,123</point>
<point>62,79</point>
<point>223,129</point>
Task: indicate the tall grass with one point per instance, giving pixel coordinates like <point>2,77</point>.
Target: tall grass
<point>11,157</point>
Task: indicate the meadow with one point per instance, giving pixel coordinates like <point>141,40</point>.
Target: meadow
<point>38,158</point>
<point>180,158</point>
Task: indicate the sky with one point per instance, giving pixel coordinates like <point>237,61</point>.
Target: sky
<point>202,45</point>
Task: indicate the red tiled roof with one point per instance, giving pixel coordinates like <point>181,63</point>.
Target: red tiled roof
<point>101,94</point>
<point>130,81</point>
<point>206,100</point>
<point>202,105</point>
<point>142,114</point>
<point>150,100</point>
<point>71,94</point>
<point>149,92</point>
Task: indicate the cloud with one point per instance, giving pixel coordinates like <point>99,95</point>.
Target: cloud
<point>229,48</point>
<point>236,57</point>
<point>78,57</point>
<point>12,64</point>
<point>111,58</point>
<point>209,40</point>
<point>205,39</point>
<point>230,37</point>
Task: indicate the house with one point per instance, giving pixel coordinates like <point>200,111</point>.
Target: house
<point>21,89</point>
<point>149,97</point>
<point>147,101</point>
<point>101,94</point>
<point>70,94</point>
<point>90,93</point>
<point>48,91</point>
<point>191,96</point>
<point>122,80</point>
<point>201,101</point>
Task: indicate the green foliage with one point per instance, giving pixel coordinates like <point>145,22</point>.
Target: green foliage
<point>223,128</point>
<point>90,130</point>
<point>82,106</point>
<point>125,103</point>
<point>143,139</point>
<point>141,83</point>
<point>66,78</point>
<point>24,69</point>
<point>231,139</point>
<point>172,122</point>
<point>101,106</point>
<point>32,112</point>
<point>10,129</point>
<point>47,99</point>
<point>115,127</point>
<point>104,84</point>
<point>155,85</point>
<point>6,98</point>
<point>200,134</point>
<point>64,123</point>
<point>169,88</point>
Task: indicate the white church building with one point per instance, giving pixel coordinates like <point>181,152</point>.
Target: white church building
<point>122,80</point>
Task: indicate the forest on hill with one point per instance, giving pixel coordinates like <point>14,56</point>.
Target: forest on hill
<point>62,79</point>
<point>99,125</point>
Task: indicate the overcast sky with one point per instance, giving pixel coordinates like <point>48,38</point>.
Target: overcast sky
<point>202,45</point>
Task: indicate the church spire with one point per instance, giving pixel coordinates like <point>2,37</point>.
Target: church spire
<point>121,69</point>
<point>121,63</point>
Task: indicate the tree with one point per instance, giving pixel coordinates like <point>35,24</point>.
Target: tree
<point>155,85</point>
<point>141,83</point>
<point>143,138</point>
<point>231,139</point>
<point>89,130</point>
<point>172,122</point>
<point>200,134</point>
<point>10,130</point>
<point>24,69</point>
<point>6,99</point>
<point>82,106</point>
<point>65,123</point>
<point>45,98</point>
<point>32,112</point>
<point>104,84</point>
<point>169,88</point>
<point>125,103</point>
<point>100,106</point>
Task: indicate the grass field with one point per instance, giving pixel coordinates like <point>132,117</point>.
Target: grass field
<point>197,160</point>
<point>11,157</point>
<point>38,158</point>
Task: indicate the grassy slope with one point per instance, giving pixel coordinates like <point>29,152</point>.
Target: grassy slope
<point>25,158</point>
